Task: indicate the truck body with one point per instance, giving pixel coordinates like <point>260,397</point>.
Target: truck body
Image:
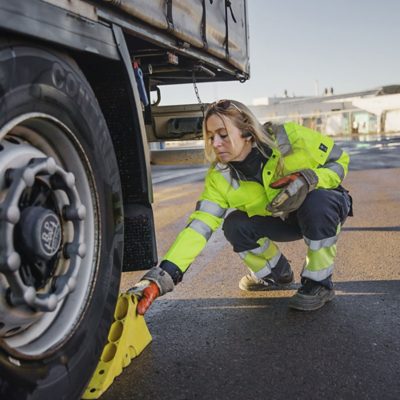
<point>75,189</point>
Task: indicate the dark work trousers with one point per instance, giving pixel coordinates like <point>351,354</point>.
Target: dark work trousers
<point>316,219</point>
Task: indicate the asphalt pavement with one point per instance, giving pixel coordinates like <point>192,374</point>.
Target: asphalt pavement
<point>213,341</point>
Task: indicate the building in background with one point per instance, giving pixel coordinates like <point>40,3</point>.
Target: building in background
<point>373,111</point>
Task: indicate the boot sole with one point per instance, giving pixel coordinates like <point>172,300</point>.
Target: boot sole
<point>263,288</point>
<point>307,303</point>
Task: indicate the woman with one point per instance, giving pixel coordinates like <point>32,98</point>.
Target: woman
<point>284,183</point>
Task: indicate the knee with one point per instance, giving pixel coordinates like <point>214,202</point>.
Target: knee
<point>238,228</point>
<point>319,214</point>
<point>242,231</point>
<point>231,226</point>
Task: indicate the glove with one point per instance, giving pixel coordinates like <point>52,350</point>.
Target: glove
<point>147,292</point>
<point>154,283</point>
<point>295,186</point>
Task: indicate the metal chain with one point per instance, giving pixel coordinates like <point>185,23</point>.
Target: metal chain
<point>196,91</point>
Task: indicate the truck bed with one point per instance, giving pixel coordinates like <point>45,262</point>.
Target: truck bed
<point>218,28</point>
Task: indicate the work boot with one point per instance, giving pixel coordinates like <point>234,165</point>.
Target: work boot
<point>280,278</point>
<point>311,296</point>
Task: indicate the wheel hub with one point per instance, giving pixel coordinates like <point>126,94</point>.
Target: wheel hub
<point>33,233</point>
<point>40,233</point>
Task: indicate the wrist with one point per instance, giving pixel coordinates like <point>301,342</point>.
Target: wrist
<point>173,270</point>
<point>310,177</point>
<point>161,278</point>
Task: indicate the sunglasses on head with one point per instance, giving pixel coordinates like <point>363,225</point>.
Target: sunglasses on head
<point>224,105</point>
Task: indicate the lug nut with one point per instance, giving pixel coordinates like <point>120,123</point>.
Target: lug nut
<point>13,261</point>
<point>29,295</point>
<point>74,214</point>
<point>71,283</point>
<point>51,302</point>
<point>29,177</point>
<point>70,180</point>
<point>82,250</point>
<point>72,249</point>
<point>51,166</point>
<point>12,214</point>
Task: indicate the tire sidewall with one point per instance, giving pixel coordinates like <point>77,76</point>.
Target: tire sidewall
<point>34,79</point>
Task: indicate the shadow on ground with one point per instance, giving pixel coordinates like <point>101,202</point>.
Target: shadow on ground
<point>256,348</point>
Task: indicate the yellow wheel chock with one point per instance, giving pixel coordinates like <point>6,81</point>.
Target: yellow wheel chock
<point>127,338</point>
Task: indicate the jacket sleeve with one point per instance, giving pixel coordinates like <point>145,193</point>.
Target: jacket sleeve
<point>331,174</point>
<point>207,217</point>
<point>325,158</point>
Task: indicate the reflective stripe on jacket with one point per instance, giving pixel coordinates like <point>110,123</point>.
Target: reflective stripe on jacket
<point>300,148</point>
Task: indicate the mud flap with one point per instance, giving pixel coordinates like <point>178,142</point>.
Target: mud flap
<point>127,338</point>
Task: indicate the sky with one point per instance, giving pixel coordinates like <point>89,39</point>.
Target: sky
<point>304,46</point>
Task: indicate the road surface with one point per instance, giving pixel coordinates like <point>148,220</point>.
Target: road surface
<point>213,341</point>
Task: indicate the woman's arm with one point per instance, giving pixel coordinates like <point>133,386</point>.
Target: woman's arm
<point>207,217</point>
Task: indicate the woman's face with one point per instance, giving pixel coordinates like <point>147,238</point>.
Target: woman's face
<point>227,147</point>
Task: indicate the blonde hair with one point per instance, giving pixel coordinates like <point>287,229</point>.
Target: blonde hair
<point>245,121</point>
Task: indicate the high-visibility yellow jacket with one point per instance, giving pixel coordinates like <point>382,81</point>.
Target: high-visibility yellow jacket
<point>300,148</point>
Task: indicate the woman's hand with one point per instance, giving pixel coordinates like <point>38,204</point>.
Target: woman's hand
<point>154,283</point>
<point>146,291</point>
<point>295,187</point>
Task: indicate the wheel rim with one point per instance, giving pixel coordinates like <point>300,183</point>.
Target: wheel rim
<point>48,215</point>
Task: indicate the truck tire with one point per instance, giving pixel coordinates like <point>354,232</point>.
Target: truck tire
<point>61,225</point>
